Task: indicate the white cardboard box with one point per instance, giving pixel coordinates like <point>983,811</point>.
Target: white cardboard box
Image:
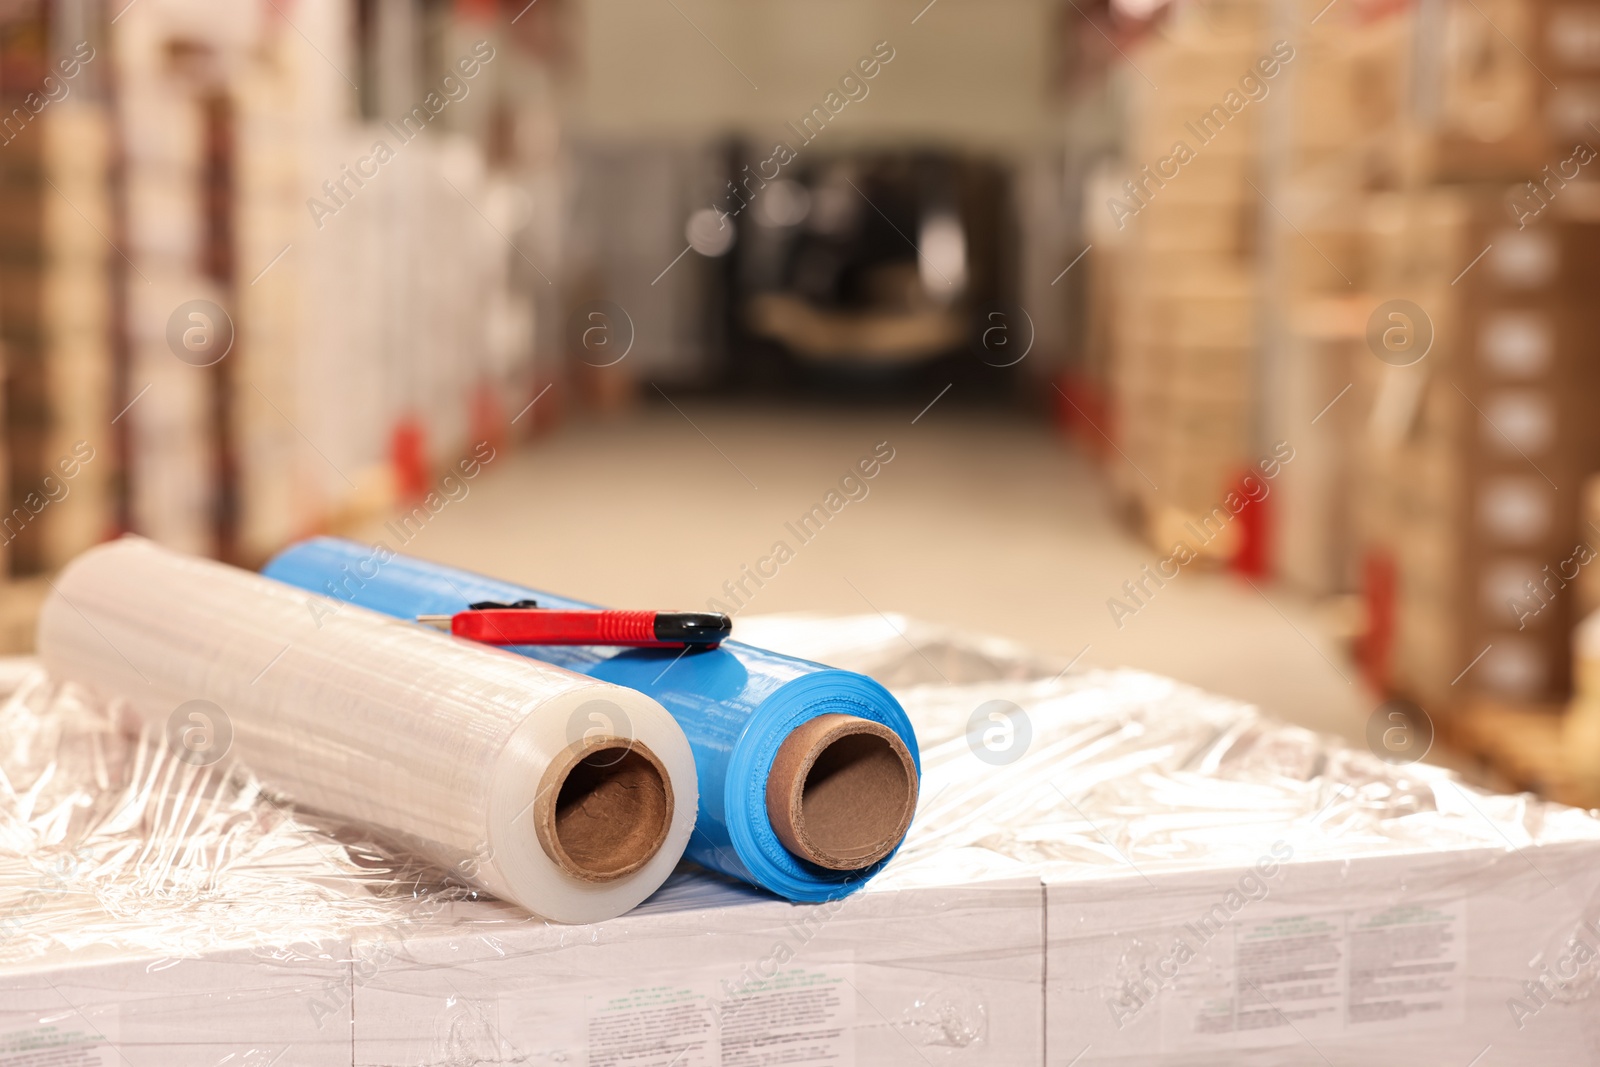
<point>1333,910</point>
<point>708,974</point>
<point>236,1007</point>
<point>1380,960</point>
<point>704,973</point>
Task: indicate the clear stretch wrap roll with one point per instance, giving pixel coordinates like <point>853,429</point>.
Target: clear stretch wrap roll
<point>513,773</point>
<point>808,775</point>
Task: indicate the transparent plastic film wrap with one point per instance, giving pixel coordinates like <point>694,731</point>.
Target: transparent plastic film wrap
<point>808,775</point>
<point>570,797</point>
<point>1089,769</point>
<point>232,924</point>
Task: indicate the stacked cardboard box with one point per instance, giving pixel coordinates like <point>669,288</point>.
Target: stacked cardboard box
<point>1183,374</point>
<point>1509,85</point>
<point>78,316</point>
<point>1474,459</point>
<point>22,58</point>
<point>1339,124</point>
<point>1245,284</point>
<point>1478,454</point>
<point>169,156</point>
<point>54,300</point>
<point>270,190</point>
<point>384,330</point>
<point>173,482</point>
<point>311,402</point>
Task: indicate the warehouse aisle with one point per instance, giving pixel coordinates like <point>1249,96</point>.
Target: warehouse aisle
<point>979,520</point>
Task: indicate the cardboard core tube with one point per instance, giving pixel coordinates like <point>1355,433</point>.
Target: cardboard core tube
<point>604,808</point>
<point>842,791</point>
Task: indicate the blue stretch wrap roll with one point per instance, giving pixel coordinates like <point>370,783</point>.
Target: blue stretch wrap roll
<point>735,703</point>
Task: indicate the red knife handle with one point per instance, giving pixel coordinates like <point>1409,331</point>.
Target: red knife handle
<point>517,626</point>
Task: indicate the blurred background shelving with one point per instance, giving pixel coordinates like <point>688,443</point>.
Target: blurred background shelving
<point>387,312</point>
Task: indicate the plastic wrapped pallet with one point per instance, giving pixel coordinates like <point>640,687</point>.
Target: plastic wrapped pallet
<point>1224,889</point>
<point>151,893</point>
<point>1138,806</point>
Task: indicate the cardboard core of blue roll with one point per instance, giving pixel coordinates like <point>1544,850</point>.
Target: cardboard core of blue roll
<point>604,808</point>
<point>842,791</point>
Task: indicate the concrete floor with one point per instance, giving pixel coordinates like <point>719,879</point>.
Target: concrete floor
<point>986,521</point>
